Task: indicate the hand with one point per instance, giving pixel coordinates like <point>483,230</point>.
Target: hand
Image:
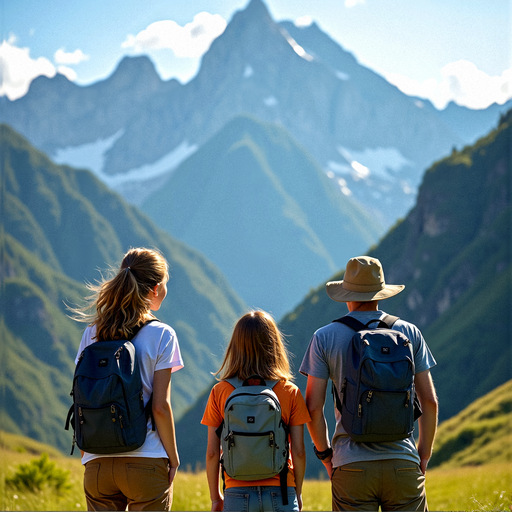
<point>423,465</point>
<point>172,474</point>
<point>299,500</point>
<point>328,467</point>
<point>218,504</point>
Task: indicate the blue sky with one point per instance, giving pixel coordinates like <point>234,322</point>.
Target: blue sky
<point>437,49</point>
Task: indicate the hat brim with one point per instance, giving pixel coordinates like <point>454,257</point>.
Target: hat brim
<point>336,292</point>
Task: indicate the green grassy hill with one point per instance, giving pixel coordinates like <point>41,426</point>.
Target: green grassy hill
<point>453,253</point>
<point>479,434</point>
<point>257,204</point>
<point>60,226</point>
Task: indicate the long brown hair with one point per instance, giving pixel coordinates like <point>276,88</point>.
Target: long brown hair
<point>122,302</point>
<point>256,348</point>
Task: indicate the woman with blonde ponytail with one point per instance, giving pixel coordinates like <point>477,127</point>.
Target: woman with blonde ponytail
<point>141,479</point>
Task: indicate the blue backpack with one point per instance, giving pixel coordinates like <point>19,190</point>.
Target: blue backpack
<point>108,413</point>
<point>378,402</point>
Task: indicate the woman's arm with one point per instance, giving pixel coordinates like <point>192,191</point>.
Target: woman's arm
<point>298,458</point>
<point>212,469</point>
<point>164,419</point>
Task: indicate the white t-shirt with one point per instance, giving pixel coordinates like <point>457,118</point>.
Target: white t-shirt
<point>157,348</point>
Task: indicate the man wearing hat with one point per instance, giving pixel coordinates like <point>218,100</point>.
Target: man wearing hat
<point>363,475</point>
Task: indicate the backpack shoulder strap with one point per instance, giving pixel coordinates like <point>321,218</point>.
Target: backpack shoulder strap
<point>138,328</point>
<point>235,382</point>
<point>351,322</point>
<point>389,320</point>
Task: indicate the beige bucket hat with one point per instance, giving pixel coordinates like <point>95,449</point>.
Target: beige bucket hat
<point>363,281</point>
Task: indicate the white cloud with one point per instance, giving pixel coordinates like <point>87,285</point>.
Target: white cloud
<point>353,3</point>
<point>192,40</point>
<point>69,73</point>
<point>63,57</point>
<point>18,69</point>
<point>461,82</point>
<point>303,21</point>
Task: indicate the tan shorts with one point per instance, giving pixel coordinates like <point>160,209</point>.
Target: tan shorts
<point>139,483</point>
<point>393,484</point>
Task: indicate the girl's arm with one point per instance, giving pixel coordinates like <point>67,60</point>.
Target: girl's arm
<point>298,458</point>
<point>164,419</point>
<point>212,469</point>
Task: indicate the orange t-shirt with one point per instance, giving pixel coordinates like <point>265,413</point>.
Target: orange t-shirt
<point>293,411</point>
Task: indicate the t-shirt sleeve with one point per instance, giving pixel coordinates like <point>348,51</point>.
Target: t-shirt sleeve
<point>423,358</point>
<point>169,355</point>
<point>85,341</point>
<point>213,416</point>
<point>314,362</point>
<point>299,414</point>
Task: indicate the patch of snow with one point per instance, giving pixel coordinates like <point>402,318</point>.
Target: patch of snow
<point>297,48</point>
<point>87,156</point>
<point>271,101</point>
<point>334,174</point>
<point>163,166</point>
<point>248,71</point>
<point>344,187</point>
<point>342,76</point>
<point>361,171</point>
<point>406,187</point>
<point>338,168</point>
<point>92,156</point>
<point>376,162</point>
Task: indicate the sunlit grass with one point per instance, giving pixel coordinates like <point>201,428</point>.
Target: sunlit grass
<point>487,487</point>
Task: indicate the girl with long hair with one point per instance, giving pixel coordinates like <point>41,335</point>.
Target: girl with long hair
<point>141,479</point>
<point>257,348</point>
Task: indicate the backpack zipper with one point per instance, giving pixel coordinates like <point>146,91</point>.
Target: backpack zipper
<point>230,438</point>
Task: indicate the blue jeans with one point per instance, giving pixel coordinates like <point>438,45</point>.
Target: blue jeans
<point>259,499</point>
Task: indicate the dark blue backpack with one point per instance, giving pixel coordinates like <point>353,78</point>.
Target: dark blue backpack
<point>378,402</point>
<point>108,413</point>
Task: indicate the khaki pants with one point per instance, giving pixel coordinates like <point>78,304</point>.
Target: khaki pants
<point>139,483</point>
<point>392,484</point>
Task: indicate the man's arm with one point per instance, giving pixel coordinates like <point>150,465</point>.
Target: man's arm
<point>428,420</point>
<point>315,400</point>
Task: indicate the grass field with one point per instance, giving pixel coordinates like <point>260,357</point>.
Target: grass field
<point>487,487</point>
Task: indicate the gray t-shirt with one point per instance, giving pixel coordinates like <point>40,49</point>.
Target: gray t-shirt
<point>324,358</point>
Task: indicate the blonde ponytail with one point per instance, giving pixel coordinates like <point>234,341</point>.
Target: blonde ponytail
<point>123,302</point>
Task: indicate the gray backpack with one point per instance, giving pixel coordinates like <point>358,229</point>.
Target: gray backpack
<point>378,401</point>
<point>108,413</point>
<point>253,436</point>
